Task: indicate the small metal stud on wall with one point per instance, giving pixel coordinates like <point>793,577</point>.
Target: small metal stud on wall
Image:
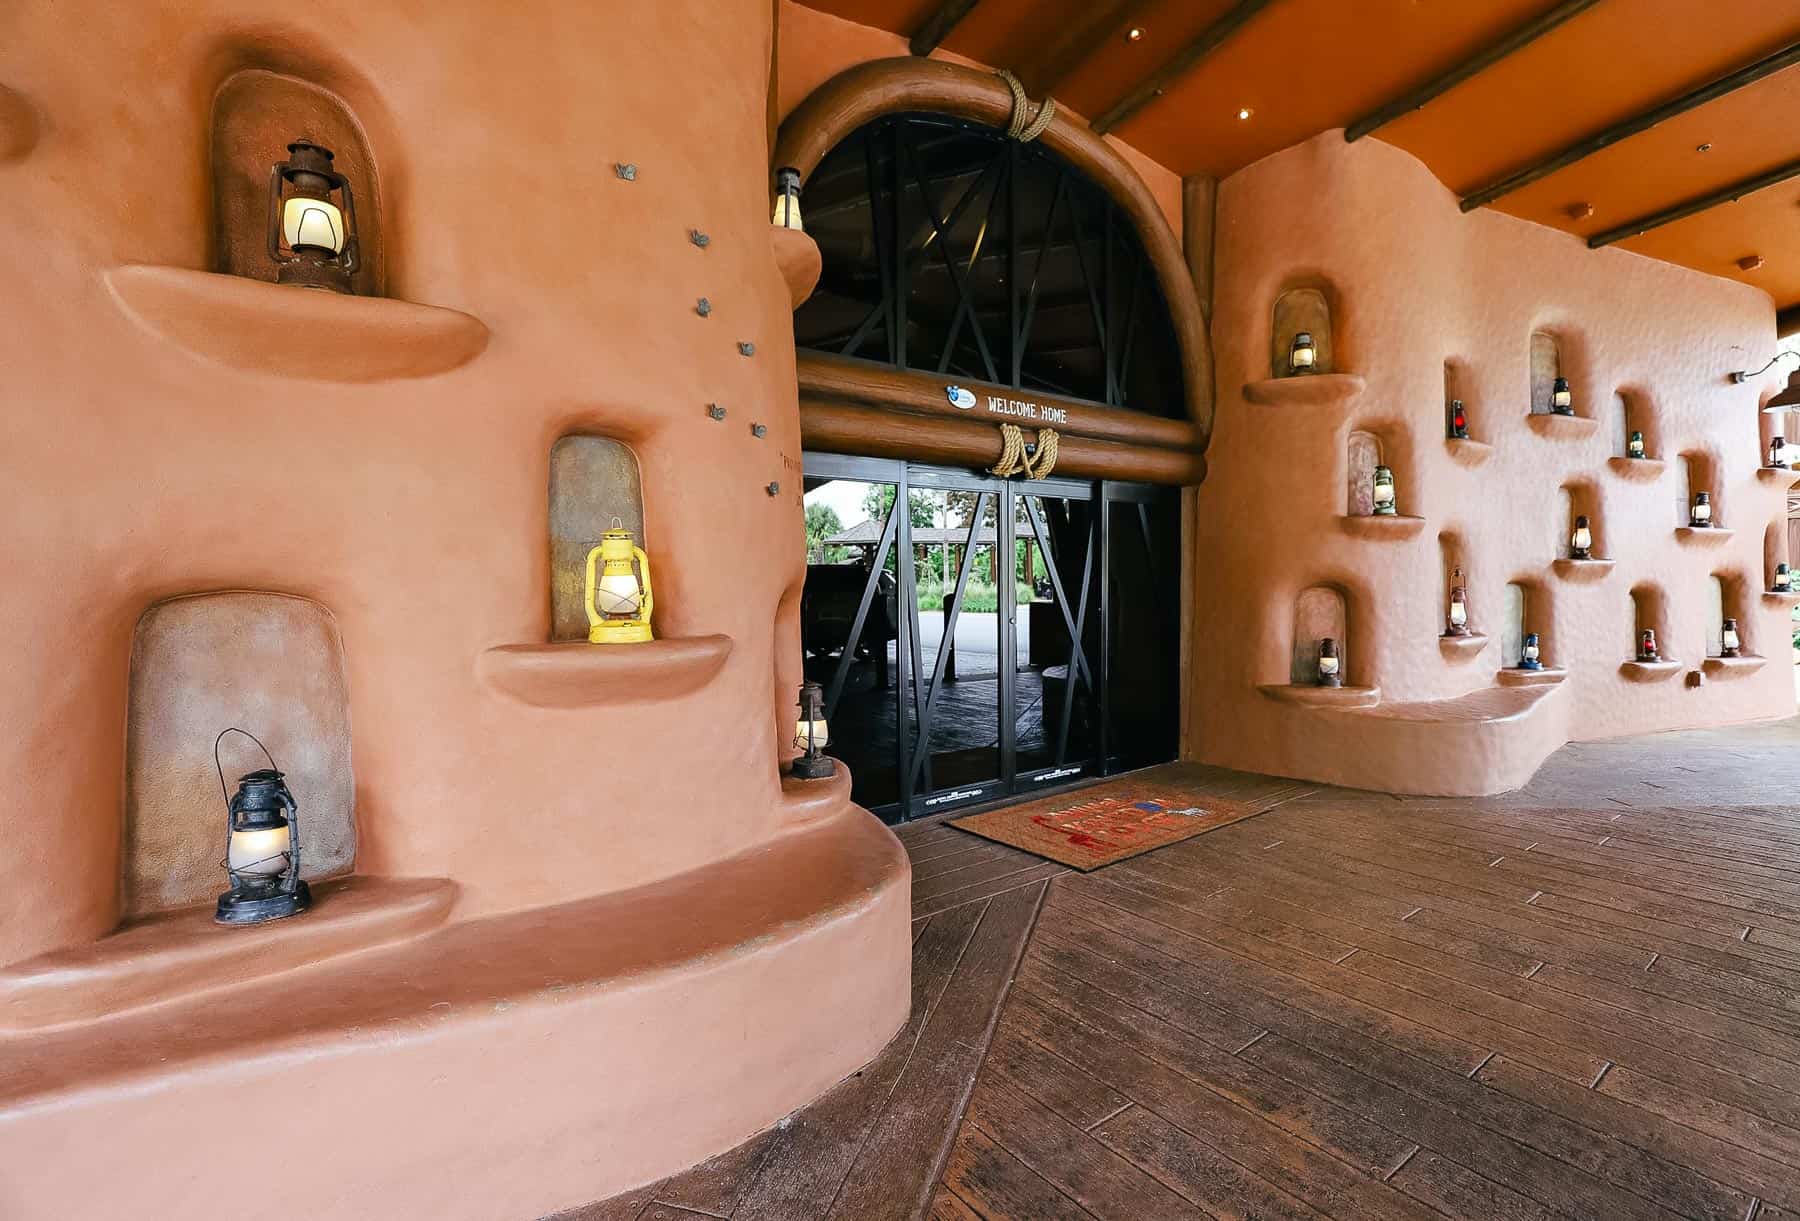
<point>625,170</point>
<point>698,238</point>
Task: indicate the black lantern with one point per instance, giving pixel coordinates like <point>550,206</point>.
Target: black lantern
<point>1303,356</point>
<point>1459,421</point>
<point>1330,674</point>
<point>1581,540</point>
<point>1729,643</point>
<point>1778,453</point>
<point>1700,517</point>
<point>787,199</point>
<point>1530,654</point>
<point>1784,579</point>
<point>1634,448</point>
<point>311,238</point>
<point>262,845</point>
<point>1562,401</point>
<point>811,734</point>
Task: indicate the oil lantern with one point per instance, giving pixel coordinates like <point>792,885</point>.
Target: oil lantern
<point>1784,579</point>
<point>811,735</point>
<point>1529,654</point>
<point>787,199</point>
<point>1581,542</point>
<point>1729,644</point>
<point>1778,453</point>
<point>619,602</point>
<point>1329,675</point>
<point>1701,515</point>
<point>1647,646</point>
<point>1303,357</point>
<point>1459,421</point>
<point>1458,621</point>
<point>1384,492</point>
<point>311,238</point>
<point>262,845</point>
<point>1634,448</point>
<point>1562,402</point>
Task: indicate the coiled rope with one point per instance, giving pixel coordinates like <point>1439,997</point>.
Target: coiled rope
<point>1019,127</point>
<point>1014,460</point>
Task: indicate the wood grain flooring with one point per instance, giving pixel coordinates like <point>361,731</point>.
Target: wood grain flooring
<point>1578,1001</point>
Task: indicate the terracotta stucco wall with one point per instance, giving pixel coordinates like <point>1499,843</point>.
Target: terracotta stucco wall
<point>1413,283</point>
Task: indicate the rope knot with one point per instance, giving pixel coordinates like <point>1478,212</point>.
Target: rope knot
<point>1034,462</point>
<point>1020,126</point>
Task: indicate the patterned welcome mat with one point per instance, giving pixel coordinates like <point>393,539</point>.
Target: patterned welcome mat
<point>1106,829</point>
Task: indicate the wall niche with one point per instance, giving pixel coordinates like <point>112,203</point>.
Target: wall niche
<point>1319,613</point>
<point>256,114</point>
<point>1296,310</point>
<point>1698,471</point>
<point>1775,549</point>
<point>1649,610</point>
<point>267,663</point>
<point>1546,367</point>
<point>1525,607</point>
<point>1459,387</point>
<point>1450,562</point>
<point>1632,412</point>
<point>592,481</point>
<point>1580,498</point>
<point>1716,610</point>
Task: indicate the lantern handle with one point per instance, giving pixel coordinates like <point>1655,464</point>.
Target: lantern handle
<point>587,603</point>
<point>649,601</point>
<point>221,767</point>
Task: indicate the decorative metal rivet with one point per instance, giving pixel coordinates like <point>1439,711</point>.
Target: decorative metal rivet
<point>698,238</point>
<point>746,349</point>
<point>759,430</point>
<point>625,170</point>
<point>703,307</point>
<point>715,411</point>
<point>774,489</point>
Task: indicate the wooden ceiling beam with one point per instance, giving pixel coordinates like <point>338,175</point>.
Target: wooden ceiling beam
<point>1075,41</point>
<point>1682,211</point>
<point>1419,97</point>
<point>1185,60</point>
<point>937,27</point>
<point>1587,146</point>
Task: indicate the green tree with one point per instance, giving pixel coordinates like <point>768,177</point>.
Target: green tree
<point>821,523</point>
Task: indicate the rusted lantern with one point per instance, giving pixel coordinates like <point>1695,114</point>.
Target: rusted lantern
<point>811,734</point>
<point>1457,622</point>
<point>1581,541</point>
<point>262,845</point>
<point>1729,644</point>
<point>1784,579</point>
<point>787,199</point>
<point>1701,515</point>
<point>1647,646</point>
<point>312,237</point>
<point>1778,453</point>
<point>1562,401</point>
<point>1303,357</point>
<point>1634,448</point>
<point>1329,669</point>
<point>1459,421</point>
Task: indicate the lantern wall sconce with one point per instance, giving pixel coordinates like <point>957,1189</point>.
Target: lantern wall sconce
<point>1459,421</point>
<point>1330,668</point>
<point>1784,580</point>
<point>1729,644</point>
<point>1303,356</point>
<point>787,199</point>
<point>1383,498</point>
<point>1700,517</point>
<point>812,735</point>
<point>1741,376</point>
<point>1647,650</point>
<point>1581,540</point>
<point>1530,654</point>
<point>1778,453</point>
<point>311,238</point>
<point>1457,621</point>
<point>1562,400</point>
<point>619,599</point>
<point>262,844</point>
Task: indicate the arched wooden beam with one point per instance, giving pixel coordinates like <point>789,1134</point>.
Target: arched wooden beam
<point>864,93</point>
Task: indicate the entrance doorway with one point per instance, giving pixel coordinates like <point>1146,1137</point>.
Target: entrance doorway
<point>981,637</point>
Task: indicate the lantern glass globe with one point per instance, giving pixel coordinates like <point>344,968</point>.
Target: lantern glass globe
<point>821,733</point>
<point>618,593</point>
<point>260,852</point>
<point>313,223</point>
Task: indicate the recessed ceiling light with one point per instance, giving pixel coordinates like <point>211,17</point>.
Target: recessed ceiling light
<point>1703,148</point>
<point>1750,262</point>
<point>1136,32</point>
<point>1245,112</point>
<point>1579,211</point>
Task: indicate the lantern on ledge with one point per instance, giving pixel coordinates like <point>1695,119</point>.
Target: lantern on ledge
<point>1303,357</point>
<point>1562,402</point>
<point>1729,644</point>
<point>1634,448</point>
<point>1581,542</point>
<point>1530,654</point>
<point>787,199</point>
<point>1700,516</point>
<point>1459,421</point>
<point>311,238</point>
<point>1784,579</point>
<point>1778,453</point>
<point>1384,493</point>
<point>1647,646</point>
<point>811,734</point>
<point>1329,670</point>
<point>1457,623</point>
<point>619,600</point>
<point>262,845</point>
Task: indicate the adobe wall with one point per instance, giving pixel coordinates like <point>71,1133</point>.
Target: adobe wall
<point>1412,283</point>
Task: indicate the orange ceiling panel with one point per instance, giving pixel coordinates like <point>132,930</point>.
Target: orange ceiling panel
<point>1766,223</point>
<point>1616,59</point>
<point>896,16</point>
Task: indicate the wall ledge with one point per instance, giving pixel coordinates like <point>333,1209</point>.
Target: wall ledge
<point>1392,527</point>
<point>1305,390</point>
<point>1641,469</point>
<point>576,674</point>
<point>1778,599</point>
<point>1650,671</point>
<point>1702,535</point>
<point>1512,676</point>
<point>800,261</point>
<point>1460,648</point>
<point>1322,697</point>
<point>1562,427</point>
<point>1582,570</point>
<point>1466,451</point>
<point>1733,667</point>
<point>1781,477</point>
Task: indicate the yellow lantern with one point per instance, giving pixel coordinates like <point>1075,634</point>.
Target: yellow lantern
<point>620,601</point>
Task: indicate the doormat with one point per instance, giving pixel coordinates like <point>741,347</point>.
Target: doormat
<point>1106,829</point>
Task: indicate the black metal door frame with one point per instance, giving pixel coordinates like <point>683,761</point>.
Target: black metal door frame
<point>916,691</point>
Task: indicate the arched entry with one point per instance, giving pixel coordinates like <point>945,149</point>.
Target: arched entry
<point>981,636</point>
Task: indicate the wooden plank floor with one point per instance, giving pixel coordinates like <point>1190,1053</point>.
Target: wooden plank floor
<point>1581,1000</point>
